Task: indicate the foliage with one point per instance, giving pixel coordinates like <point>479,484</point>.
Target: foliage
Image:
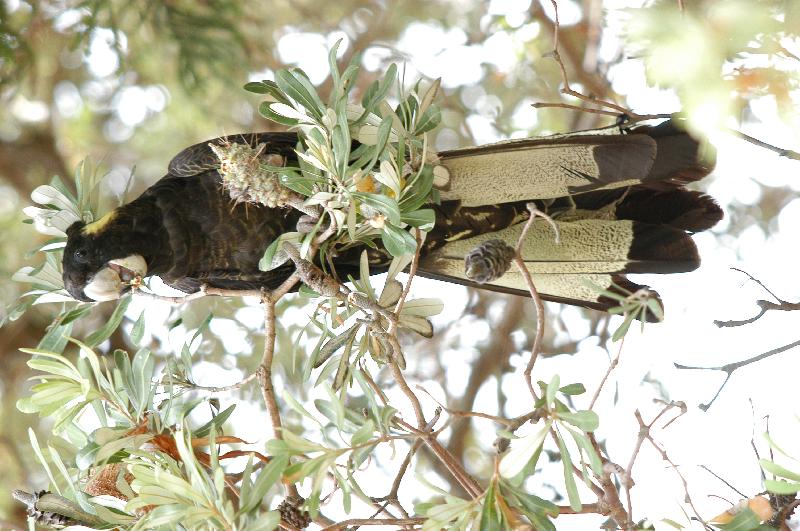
<point>166,479</point>
<point>58,209</point>
<point>361,203</point>
<point>744,56</point>
<point>343,424</point>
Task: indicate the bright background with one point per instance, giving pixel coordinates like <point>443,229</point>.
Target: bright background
<point>130,104</point>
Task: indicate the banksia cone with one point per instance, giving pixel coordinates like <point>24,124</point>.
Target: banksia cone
<point>245,179</point>
<point>488,261</point>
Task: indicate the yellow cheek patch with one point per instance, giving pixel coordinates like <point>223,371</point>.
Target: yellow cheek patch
<point>97,226</point>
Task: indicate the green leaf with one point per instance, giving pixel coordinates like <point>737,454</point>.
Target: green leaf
<point>569,479</point>
<point>655,308</point>
<point>363,434</point>
<point>55,340</point>
<point>585,420</point>
<point>202,328</point>
<point>74,314</point>
<point>295,84</point>
<point>215,423</point>
<point>745,520</point>
<point>490,519</point>
<point>533,504</point>
<point>56,365</point>
<point>781,487</point>
<point>274,255</point>
<point>429,120</point>
<point>573,389</point>
<point>397,241</point>
<point>778,470</point>
<point>449,511</point>
<point>335,343</point>
<point>265,522</point>
<point>620,332</point>
<point>258,87</point>
<point>424,219</point>
<point>383,204</point>
<point>550,391</point>
<point>522,451</point>
<point>137,332</point>
<point>268,476</point>
<point>103,333</point>
<point>302,183</point>
<point>382,134</point>
<point>377,91</point>
<point>418,190</point>
<point>423,307</point>
<point>341,141</point>
<point>585,444</point>
<point>333,65</point>
<point>420,325</point>
<point>140,380</point>
<point>265,109</point>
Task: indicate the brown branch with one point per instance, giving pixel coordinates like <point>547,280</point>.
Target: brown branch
<point>411,274</point>
<point>394,365</point>
<point>401,472</point>
<point>328,286</point>
<point>453,466</point>
<point>212,389</point>
<point>611,367</point>
<point>729,368</point>
<point>586,508</point>
<point>644,430</point>
<point>493,358</point>
<point>265,372</point>
<point>765,305</point>
<point>374,521</point>
<point>205,291</point>
<point>629,115</point>
<point>568,90</point>
<point>788,153</point>
<point>537,300</point>
<point>595,84</point>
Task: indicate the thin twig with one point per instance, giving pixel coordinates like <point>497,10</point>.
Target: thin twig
<point>631,117</point>
<point>204,291</point>
<point>443,454</point>
<point>222,389</point>
<point>611,367</point>
<point>788,153</point>
<point>729,368</point>
<point>617,110</point>
<point>537,300</point>
<point>411,273</point>
<point>374,521</point>
<point>645,429</point>
<point>765,305</point>
<point>734,489</point>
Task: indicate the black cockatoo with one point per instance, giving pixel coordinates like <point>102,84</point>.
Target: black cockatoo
<point>619,201</point>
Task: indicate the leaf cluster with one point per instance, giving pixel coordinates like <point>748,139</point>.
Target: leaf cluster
<point>368,165</point>
<point>349,332</point>
<point>165,480</point>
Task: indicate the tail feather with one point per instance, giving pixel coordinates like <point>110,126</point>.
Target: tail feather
<point>588,246</point>
<point>680,208</point>
<point>661,157</point>
<point>583,290</point>
<point>680,159</point>
<point>599,251</point>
